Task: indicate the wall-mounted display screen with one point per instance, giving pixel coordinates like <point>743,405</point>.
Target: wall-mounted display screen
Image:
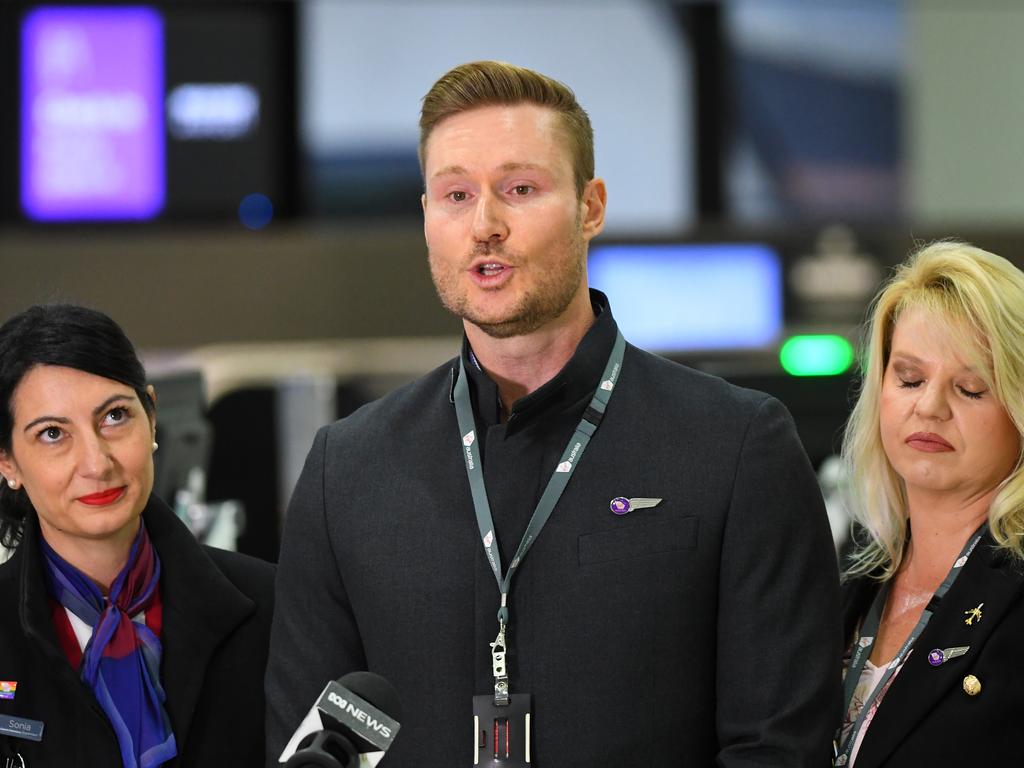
<point>156,110</point>
<point>683,297</point>
<point>92,131</point>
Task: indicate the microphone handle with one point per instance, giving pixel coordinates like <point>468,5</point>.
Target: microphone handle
<point>326,749</point>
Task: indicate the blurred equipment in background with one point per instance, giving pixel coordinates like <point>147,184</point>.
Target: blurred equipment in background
<point>832,477</point>
<point>816,95</point>
<point>837,280</point>
<point>182,432</point>
<point>181,464</point>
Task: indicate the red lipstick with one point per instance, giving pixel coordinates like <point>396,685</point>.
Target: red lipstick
<point>928,442</point>
<point>103,497</point>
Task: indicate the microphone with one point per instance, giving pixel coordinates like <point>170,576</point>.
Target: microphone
<point>351,724</point>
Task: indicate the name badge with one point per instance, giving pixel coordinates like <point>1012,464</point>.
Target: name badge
<point>501,737</point>
<point>21,727</point>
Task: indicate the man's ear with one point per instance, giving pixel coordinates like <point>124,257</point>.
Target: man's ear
<point>593,202</point>
<point>423,203</point>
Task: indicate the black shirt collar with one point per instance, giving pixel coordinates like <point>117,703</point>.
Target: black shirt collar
<point>573,385</point>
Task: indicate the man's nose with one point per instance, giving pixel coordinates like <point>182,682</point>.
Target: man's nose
<point>488,220</point>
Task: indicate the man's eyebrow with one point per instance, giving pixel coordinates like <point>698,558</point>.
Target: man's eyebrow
<point>458,170</point>
<point>523,167</point>
<point>450,170</point>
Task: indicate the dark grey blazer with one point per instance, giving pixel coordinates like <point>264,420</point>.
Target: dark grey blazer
<point>216,621</point>
<point>926,717</point>
<point>706,628</point>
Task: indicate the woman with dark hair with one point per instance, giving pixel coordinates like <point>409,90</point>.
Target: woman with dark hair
<point>123,642</point>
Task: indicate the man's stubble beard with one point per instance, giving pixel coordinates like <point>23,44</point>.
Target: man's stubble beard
<point>546,301</point>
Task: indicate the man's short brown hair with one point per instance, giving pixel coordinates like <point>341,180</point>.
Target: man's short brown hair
<point>490,83</point>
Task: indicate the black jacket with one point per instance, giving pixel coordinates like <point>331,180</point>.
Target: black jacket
<point>926,717</point>
<point>706,628</point>
<point>216,619</point>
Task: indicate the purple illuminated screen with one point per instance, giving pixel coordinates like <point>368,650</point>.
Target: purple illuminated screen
<point>92,135</point>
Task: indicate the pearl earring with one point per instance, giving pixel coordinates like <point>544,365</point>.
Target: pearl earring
<point>13,484</point>
<point>155,446</point>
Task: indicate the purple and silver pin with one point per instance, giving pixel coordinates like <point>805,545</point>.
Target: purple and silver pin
<point>620,505</point>
<point>940,656</point>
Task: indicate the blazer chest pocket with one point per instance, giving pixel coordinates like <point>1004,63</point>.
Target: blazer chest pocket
<point>637,540</point>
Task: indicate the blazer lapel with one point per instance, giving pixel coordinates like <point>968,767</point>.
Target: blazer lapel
<point>34,600</point>
<point>201,607</point>
<point>990,580</point>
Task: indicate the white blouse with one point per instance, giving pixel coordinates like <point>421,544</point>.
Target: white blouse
<point>870,676</point>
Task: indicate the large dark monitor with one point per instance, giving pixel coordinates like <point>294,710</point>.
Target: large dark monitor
<point>150,111</point>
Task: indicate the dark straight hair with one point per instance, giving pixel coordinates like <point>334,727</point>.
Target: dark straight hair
<point>66,335</point>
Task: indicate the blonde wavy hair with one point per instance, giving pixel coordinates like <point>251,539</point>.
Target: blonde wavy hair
<point>979,297</point>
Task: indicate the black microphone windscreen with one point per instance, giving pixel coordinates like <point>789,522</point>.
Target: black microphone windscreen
<point>376,690</point>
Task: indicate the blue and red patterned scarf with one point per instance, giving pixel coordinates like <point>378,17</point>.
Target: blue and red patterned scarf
<point>121,662</point>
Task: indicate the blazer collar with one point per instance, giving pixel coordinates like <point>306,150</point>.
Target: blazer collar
<point>201,607</point>
<point>991,577</point>
<point>570,388</point>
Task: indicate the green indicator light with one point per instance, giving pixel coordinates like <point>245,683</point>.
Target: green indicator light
<point>826,355</point>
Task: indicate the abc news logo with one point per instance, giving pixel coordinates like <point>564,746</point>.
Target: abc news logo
<point>359,715</point>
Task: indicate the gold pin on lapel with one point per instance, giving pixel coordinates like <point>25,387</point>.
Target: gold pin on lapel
<point>972,685</point>
<point>972,614</point>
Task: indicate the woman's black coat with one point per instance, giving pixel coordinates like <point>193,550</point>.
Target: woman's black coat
<point>216,621</point>
<point>926,717</point>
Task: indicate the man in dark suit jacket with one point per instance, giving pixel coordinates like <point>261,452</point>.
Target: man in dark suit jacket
<point>679,606</point>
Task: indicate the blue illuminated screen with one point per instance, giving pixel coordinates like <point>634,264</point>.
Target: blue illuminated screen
<point>680,297</point>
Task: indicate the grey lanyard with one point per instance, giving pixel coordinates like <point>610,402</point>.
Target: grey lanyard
<point>556,485</point>
<point>866,641</point>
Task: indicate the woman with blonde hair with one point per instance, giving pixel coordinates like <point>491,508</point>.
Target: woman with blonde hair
<point>933,600</point>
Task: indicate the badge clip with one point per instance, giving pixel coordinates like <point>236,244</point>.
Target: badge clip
<point>498,649</point>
